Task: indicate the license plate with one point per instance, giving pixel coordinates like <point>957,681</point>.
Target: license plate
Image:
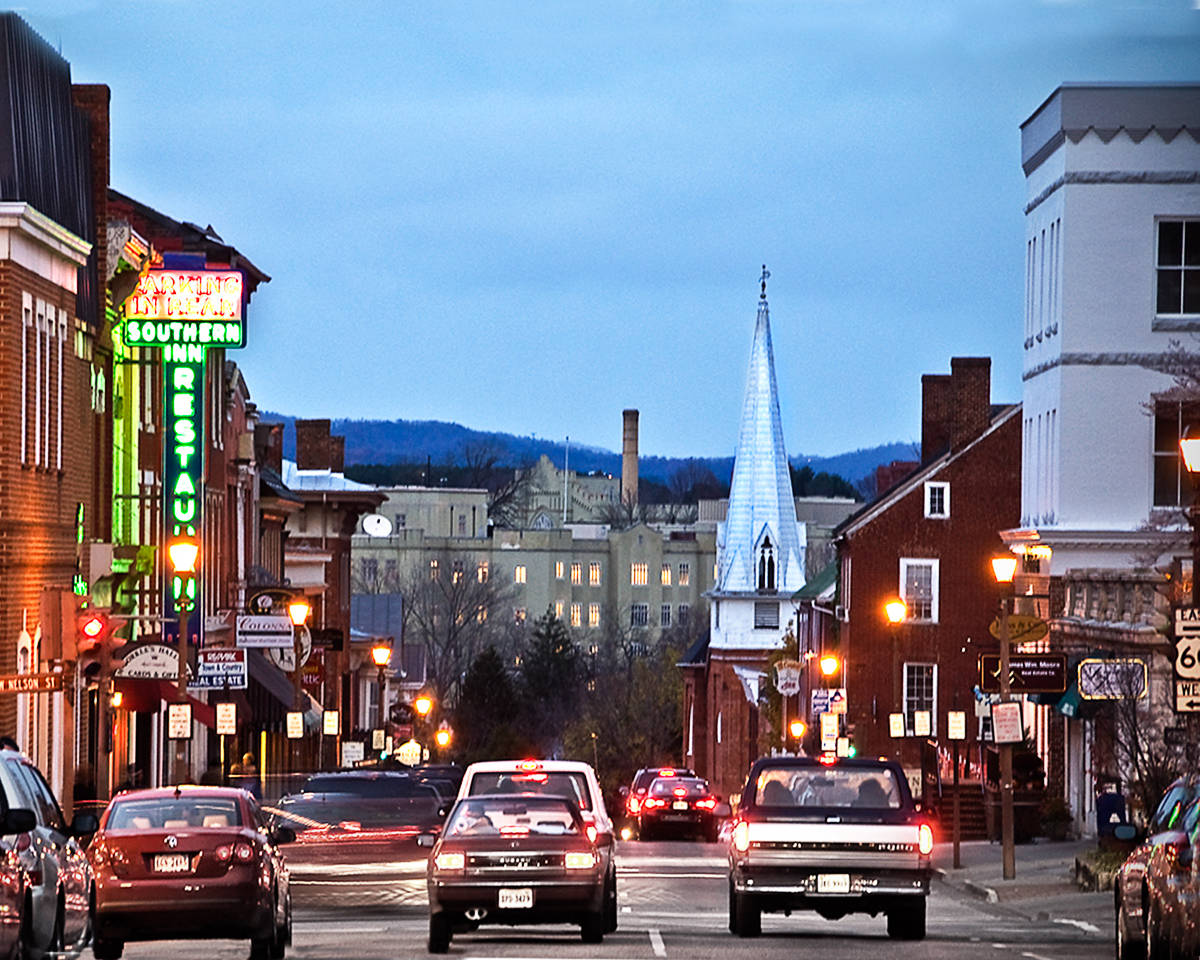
<point>679,805</point>
<point>172,863</point>
<point>518,899</point>
<point>833,883</point>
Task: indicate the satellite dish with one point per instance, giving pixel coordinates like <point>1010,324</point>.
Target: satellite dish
<point>377,525</point>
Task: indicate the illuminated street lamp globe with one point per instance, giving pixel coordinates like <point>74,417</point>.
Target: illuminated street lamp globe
<point>183,554</point>
<point>797,728</point>
<point>443,735</point>
<point>896,610</point>
<point>380,655</point>
<point>830,665</point>
<point>1004,568</point>
<point>423,704</point>
<point>298,610</point>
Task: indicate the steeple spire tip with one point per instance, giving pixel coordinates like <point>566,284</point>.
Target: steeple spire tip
<point>766,274</point>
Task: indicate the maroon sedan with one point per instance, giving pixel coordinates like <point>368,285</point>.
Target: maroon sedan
<point>189,862</point>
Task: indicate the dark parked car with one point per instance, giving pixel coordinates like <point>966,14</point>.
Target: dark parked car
<point>633,794</point>
<point>58,877</point>
<point>1168,875</point>
<point>515,859</point>
<point>190,863</point>
<point>15,892</point>
<point>677,806</point>
<point>1132,888</point>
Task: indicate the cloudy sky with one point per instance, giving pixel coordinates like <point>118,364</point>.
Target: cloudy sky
<point>527,216</point>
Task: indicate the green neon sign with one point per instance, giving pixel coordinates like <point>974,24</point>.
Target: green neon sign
<point>160,333</point>
<point>183,477</point>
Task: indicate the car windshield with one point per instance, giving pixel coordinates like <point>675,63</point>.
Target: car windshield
<point>370,786</point>
<point>573,786</point>
<point>513,816</point>
<point>174,813</point>
<point>791,786</point>
<point>678,787</point>
<point>646,777</point>
<point>348,812</point>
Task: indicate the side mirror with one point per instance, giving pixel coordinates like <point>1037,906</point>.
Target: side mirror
<point>283,835</point>
<point>18,820</point>
<point>425,840</point>
<point>84,824</point>
<point>622,792</point>
<point>1125,831</point>
<point>443,812</point>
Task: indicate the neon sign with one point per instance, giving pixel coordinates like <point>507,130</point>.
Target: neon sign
<point>186,306</point>
<point>183,477</point>
<point>156,333</point>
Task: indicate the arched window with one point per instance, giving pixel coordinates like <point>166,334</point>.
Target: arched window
<point>766,565</point>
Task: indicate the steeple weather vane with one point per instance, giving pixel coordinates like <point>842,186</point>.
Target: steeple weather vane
<point>766,274</point>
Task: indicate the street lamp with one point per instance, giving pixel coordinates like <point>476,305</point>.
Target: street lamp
<point>423,705</point>
<point>1004,568</point>
<point>381,653</point>
<point>797,728</point>
<point>895,610</point>
<point>1189,449</point>
<point>830,665</point>
<point>298,610</point>
<point>183,555</point>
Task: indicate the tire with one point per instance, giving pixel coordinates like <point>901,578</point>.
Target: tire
<point>107,949</point>
<point>745,915</point>
<point>1157,947</point>
<point>907,922</point>
<point>439,933</point>
<point>592,928</point>
<point>713,833</point>
<point>610,904</point>
<point>645,833</point>
<point>283,933</point>
<point>1126,949</point>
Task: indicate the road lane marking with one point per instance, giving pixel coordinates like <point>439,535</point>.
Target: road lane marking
<point>1081,924</point>
<point>1035,956</point>
<point>656,942</point>
<point>667,876</point>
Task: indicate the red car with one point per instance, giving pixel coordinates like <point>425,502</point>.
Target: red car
<point>189,863</point>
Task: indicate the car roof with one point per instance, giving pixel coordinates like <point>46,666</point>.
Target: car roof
<point>549,766</point>
<point>189,790</point>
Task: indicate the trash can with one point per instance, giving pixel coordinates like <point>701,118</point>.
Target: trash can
<point>1111,809</point>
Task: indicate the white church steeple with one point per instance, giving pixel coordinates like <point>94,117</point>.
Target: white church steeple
<point>760,546</point>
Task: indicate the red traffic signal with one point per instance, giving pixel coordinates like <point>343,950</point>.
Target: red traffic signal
<point>95,644</point>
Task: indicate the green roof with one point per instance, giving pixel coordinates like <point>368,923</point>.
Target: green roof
<point>825,579</point>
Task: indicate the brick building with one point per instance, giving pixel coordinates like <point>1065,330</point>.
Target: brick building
<point>928,540</point>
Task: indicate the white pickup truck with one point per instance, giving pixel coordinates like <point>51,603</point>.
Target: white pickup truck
<point>835,836</point>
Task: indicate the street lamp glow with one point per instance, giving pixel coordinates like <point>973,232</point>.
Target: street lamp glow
<point>1189,447</point>
<point>442,737</point>
<point>797,728</point>
<point>298,610</point>
<point>830,665</point>
<point>183,554</point>
<point>1004,568</point>
<point>380,655</point>
<point>423,704</point>
<point>896,610</point>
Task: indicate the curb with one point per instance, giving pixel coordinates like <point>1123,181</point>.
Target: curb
<point>979,890</point>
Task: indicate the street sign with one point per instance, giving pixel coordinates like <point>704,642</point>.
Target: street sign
<point>263,630</point>
<point>179,721</point>
<point>1187,696</point>
<point>829,701</point>
<point>956,725</point>
<point>787,677</point>
<point>922,723</point>
<point>330,723</point>
<point>1021,628</point>
<point>151,661</point>
<point>896,724</point>
<point>30,682</point>
<point>295,724</point>
<point>220,669</point>
<point>1028,672</point>
<point>829,731</point>
<point>1006,723</point>
<point>352,752</point>
<point>227,719</point>
<point>843,746</point>
<point>1123,678</point>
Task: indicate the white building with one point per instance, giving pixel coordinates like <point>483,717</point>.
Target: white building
<point>1112,259</point>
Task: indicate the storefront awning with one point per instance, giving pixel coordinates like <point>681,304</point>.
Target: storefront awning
<point>143,695</point>
<point>270,677</point>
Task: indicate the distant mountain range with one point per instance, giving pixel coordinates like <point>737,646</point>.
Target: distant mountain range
<point>416,441</point>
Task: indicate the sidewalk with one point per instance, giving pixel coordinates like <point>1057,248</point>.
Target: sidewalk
<point>1044,870</point>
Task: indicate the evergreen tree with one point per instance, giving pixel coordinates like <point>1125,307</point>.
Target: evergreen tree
<point>551,677</point>
<point>486,721</point>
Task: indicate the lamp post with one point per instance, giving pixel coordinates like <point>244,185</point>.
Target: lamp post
<point>1189,448</point>
<point>298,610</point>
<point>183,555</point>
<point>423,707</point>
<point>1004,568</point>
<point>381,653</point>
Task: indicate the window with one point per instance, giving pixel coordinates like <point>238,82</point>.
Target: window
<point>370,570</point>
<point>593,614</point>
<point>766,615</point>
<point>391,570</point>
<point>401,520</point>
<point>666,574</point>
<point>920,692</point>
<point>937,500</point>
<point>433,569</point>
<point>685,574</point>
<point>1178,267</point>
<point>558,609</point>
<point>456,571</point>
<point>664,615</point>
<point>481,615</point>
<point>576,574</point>
<point>594,574</point>
<point>462,525</point>
<point>593,649</point>
<point>639,573</point>
<point>519,616</point>
<point>559,569</point>
<point>519,573</point>
<point>1172,482</point>
<point>684,609</point>
<point>919,588</point>
<point>577,615</point>
<point>481,571</point>
<point>766,565</point>
<point>639,615</point>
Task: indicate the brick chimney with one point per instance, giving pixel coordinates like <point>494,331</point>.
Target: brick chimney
<point>936,400</point>
<point>337,454</point>
<point>629,457</point>
<point>955,409</point>
<point>312,444</point>
<point>268,445</point>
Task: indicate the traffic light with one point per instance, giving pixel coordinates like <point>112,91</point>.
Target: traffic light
<point>97,648</point>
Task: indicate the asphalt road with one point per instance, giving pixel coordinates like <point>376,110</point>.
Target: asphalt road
<point>672,900</point>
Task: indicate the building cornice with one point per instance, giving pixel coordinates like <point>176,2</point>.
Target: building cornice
<point>20,216</point>
<point>1121,177</point>
<point>1068,539</point>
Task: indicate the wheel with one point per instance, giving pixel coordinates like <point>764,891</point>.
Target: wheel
<point>592,928</point>
<point>713,833</point>
<point>907,922</point>
<point>733,905</point>
<point>439,933</point>
<point>1157,947</point>
<point>283,933</point>
<point>645,833</point>
<point>745,915</point>
<point>107,949</point>
<point>1127,949</point>
<point>610,904</point>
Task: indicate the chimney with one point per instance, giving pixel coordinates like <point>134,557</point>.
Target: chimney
<point>629,458</point>
<point>936,413</point>
<point>337,454</point>
<point>268,445</point>
<point>312,444</point>
<point>971,402</point>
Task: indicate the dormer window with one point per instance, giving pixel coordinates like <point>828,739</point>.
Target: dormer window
<point>766,565</point>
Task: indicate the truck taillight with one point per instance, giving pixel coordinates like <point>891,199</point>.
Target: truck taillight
<point>925,839</point>
<point>741,836</point>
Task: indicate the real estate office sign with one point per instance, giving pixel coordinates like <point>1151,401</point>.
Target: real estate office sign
<point>185,312</point>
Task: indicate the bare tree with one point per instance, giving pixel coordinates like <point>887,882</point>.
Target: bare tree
<point>507,487</point>
<point>368,575</point>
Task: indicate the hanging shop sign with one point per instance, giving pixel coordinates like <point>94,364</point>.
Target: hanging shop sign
<point>787,677</point>
<point>186,306</point>
<point>220,669</point>
<point>1028,673</point>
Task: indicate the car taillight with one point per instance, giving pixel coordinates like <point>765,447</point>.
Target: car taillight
<point>666,772</point>
<point>651,802</point>
<point>579,861</point>
<point>529,765</point>
<point>634,805</point>
<point>243,852</point>
<point>223,853</point>
<point>450,861</point>
<point>680,791</point>
<point>708,803</point>
<point>590,830</point>
<point>741,836</point>
<point>925,839</point>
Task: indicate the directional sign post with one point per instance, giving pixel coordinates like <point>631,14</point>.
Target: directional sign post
<point>1187,659</point>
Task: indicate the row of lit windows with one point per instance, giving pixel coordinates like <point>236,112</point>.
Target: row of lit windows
<point>639,574</point>
<point>576,614</point>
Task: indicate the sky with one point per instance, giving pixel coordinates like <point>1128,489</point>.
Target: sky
<point>527,216</point>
